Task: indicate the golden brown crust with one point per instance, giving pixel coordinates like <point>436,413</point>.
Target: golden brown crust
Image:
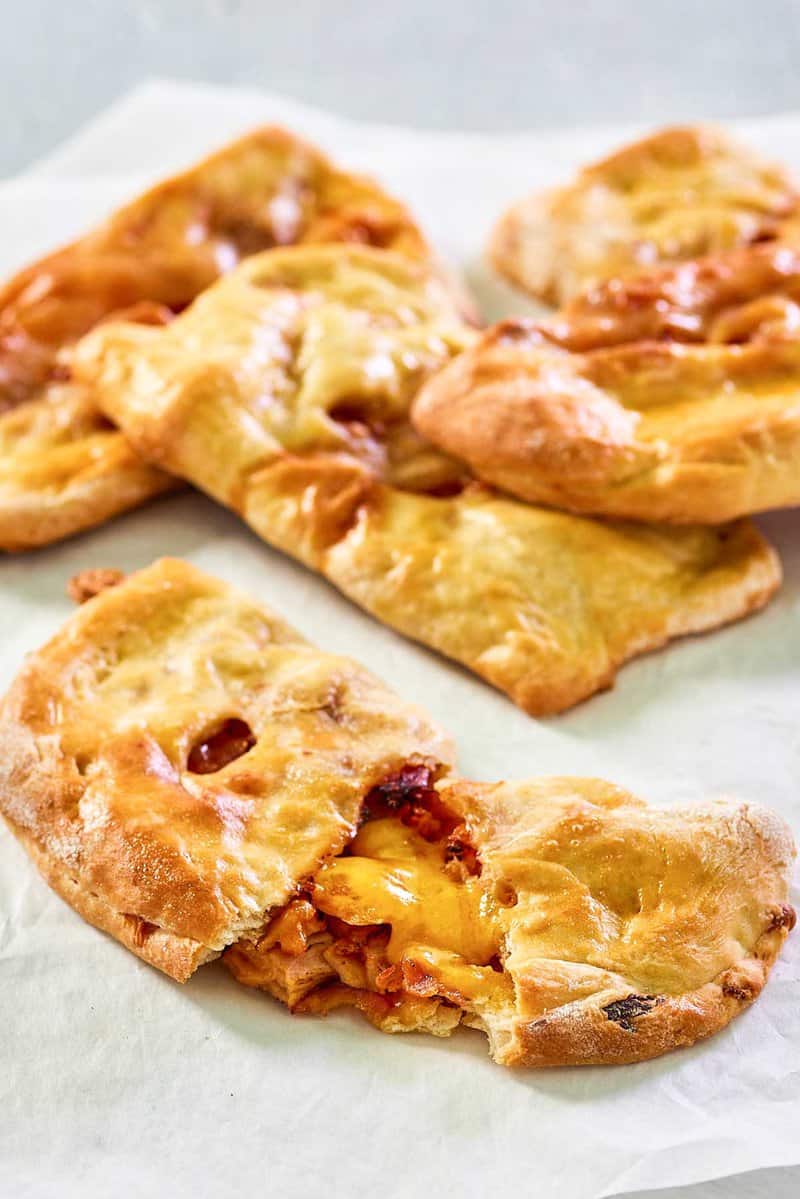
<point>677,194</point>
<point>97,773</point>
<point>62,467</point>
<point>635,930</point>
<point>175,955</point>
<point>622,932</point>
<point>646,431</point>
<point>543,605</point>
<point>184,770</point>
<point>747,294</point>
<point>308,350</point>
<point>586,1036</point>
<point>539,603</point>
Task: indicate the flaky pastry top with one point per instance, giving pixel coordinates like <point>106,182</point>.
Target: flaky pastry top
<point>679,193</point>
<point>63,467</point>
<point>615,913</point>
<point>562,916</point>
<point>269,188</point>
<point>303,350</point>
<point>114,744</point>
<point>648,431</point>
<point>284,393</point>
<point>193,777</point>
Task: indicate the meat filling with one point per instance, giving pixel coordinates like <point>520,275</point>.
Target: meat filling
<point>400,925</point>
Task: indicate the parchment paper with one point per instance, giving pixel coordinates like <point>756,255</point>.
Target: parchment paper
<point>115,1080</point>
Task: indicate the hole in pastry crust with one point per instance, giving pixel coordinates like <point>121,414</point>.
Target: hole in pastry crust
<point>101,424</point>
<point>227,743</point>
<point>765,233</point>
<point>82,763</point>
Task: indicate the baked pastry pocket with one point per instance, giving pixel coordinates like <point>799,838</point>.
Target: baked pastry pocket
<point>646,431</point>
<point>561,916</point>
<point>63,467</point>
<point>675,195</point>
<point>194,778</point>
<point>284,392</point>
<point>177,757</point>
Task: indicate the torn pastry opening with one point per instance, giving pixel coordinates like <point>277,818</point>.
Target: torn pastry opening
<point>401,925</point>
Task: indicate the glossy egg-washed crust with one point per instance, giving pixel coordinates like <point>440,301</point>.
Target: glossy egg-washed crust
<point>748,294</point>
<point>624,931</point>
<point>680,193</point>
<point>63,467</point>
<point>645,431</point>
<point>635,930</point>
<point>284,393</point>
<point>96,736</point>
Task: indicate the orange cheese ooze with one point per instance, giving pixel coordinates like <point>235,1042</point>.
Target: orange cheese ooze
<point>394,876</point>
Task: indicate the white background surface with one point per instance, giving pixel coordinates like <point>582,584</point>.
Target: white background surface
<point>114,1078</point>
<point>454,64</point>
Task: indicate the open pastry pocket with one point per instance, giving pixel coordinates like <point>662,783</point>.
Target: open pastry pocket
<point>400,925</point>
<point>562,917</point>
<point>196,780</point>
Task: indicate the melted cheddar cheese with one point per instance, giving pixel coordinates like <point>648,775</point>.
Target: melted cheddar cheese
<point>394,876</point>
<point>459,980</point>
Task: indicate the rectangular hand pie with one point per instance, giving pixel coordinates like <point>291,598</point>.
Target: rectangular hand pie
<point>63,468</point>
<point>677,194</point>
<point>194,778</point>
<point>645,431</point>
<point>284,392</point>
<point>178,757</point>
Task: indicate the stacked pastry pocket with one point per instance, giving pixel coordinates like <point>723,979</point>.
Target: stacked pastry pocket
<point>667,387</point>
<point>539,501</point>
<point>263,325</point>
<point>63,467</point>
<point>285,392</point>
